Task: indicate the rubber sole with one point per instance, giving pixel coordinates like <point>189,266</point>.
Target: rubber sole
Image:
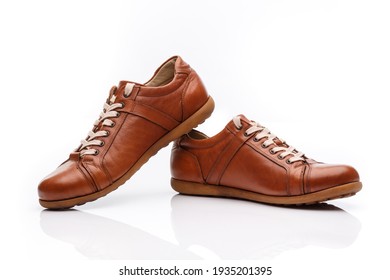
<point>193,121</point>
<point>191,188</point>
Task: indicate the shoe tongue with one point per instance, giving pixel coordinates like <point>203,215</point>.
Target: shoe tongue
<point>112,95</point>
<point>122,85</point>
<point>244,119</point>
<point>120,89</point>
<point>279,143</point>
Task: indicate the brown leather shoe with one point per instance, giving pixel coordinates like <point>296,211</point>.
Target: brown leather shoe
<point>246,161</point>
<point>136,122</point>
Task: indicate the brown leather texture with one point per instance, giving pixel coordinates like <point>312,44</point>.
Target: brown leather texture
<point>236,160</point>
<point>148,113</point>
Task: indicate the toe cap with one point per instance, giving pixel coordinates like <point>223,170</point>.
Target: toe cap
<point>324,176</point>
<point>66,182</point>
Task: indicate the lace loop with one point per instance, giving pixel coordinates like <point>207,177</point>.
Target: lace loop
<point>109,111</point>
<point>263,132</point>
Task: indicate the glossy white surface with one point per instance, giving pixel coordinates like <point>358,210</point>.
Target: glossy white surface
<point>315,72</point>
<point>225,229</point>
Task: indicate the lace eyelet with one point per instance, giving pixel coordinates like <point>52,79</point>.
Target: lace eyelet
<point>96,153</point>
<point>255,139</point>
<point>246,134</point>
<point>264,146</point>
<point>280,157</point>
<point>239,128</point>
<point>123,104</point>
<point>125,95</point>
<point>272,152</point>
<point>288,161</point>
<point>117,114</point>
<point>107,133</point>
<point>112,124</point>
<point>101,143</point>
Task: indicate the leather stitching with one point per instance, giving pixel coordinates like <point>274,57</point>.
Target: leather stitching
<point>118,127</point>
<point>302,179</point>
<point>87,176</point>
<point>223,161</point>
<point>188,80</point>
<point>196,162</point>
<point>308,187</point>
<point>216,163</point>
<point>167,123</point>
<point>91,174</point>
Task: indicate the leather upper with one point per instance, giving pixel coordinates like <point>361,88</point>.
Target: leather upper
<point>149,112</point>
<point>233,159</point>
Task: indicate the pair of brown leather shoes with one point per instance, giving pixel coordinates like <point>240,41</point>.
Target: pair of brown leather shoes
<point>245,160</point>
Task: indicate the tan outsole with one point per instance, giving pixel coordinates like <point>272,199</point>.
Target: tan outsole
<point>191,188</point>
<point>197,118</point>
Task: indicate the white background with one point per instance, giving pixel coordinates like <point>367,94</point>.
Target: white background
<point>315,72</point>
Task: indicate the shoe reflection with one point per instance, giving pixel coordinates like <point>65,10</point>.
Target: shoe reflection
<point>101,238</point>
<point>236,229</point>
<point>207,228</point>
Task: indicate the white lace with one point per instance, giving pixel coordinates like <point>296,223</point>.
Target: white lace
<point>262,132</point>
<point>104,119</point>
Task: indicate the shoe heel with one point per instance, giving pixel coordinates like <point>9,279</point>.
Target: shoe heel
<point>192,188</point>
<point>194,120</point>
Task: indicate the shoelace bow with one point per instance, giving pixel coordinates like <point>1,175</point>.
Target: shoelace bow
<point>109,111</point>
<point>263,132</point>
